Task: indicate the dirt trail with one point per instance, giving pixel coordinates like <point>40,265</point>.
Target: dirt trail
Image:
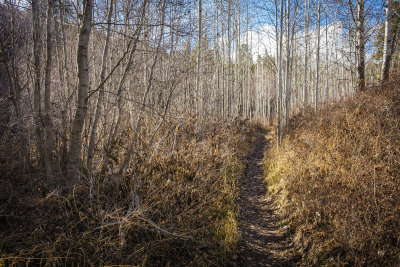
<point>264,243</point>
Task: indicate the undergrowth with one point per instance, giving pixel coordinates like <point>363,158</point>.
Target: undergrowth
<point>174,206</point>
<point>336,178</point>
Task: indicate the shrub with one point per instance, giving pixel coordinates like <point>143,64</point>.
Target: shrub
<point>174,206</point>
<point>337,180</point>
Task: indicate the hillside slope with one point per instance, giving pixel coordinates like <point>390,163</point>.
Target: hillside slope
<point>173,207</point>
<point>337,180</point>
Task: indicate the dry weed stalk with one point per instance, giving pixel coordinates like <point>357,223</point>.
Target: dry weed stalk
<point>337,179</point>
<point>174,205</point>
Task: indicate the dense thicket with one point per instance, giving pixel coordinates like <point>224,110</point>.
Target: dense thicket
<point>336,178</point>
<point>175,206</point>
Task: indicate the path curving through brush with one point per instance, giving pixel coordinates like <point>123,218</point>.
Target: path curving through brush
<point>263,243</point>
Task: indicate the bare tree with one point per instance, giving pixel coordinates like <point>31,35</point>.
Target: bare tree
<point>98,111</point>
<point>358,15</point>
<point>279,69</point>
<point>318,51</point>
<point>74,153</point>
<point>326,95</point>
<point>387,52</point>
<point>49,145</point>
<point>198,73</point>
<point>289,55</point>
<point>137,129</point>
<point>306,40</point>
<point>37,48</point>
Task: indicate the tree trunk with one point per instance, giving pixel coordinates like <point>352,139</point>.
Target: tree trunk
<point>306,37</point>
<point>279,72</point>
<point>49,144</point>
<point>65,81</point>
<point>326,60</point>
<point>318,48</point>
<point>387,52</point>
<point>98,111</point>
<point>198,74</point>
<point>289,61</point>
<point>74,154</point>
<point>229,89</point>
<point>37,48</point>
<point>360,47</point>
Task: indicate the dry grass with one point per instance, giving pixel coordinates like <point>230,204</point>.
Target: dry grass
<point>337,180</point>
<point>173,207</point>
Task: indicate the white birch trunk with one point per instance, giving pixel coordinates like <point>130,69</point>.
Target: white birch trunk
<point>387,53</point>
<point>318,50</point>
<point>198,74</point>
<point>98,111</point>
<point>74,153</point>
<point>306,40</point>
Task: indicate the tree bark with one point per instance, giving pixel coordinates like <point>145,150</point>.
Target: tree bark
<point>37,48</point>
<point>360,47</point>
<point>318,49</point>
<point>198,73</point>
<point>98,111</point>
<point>74,153</point>
<point>49,144</point>
<point>289,61</point>
<point>306,38</point>
<point>387,52</point>
<point>279,72</point>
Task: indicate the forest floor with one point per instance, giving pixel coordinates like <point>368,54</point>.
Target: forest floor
<point>264,240</point>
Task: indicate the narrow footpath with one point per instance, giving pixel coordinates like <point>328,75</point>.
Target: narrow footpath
<point>263,242</point>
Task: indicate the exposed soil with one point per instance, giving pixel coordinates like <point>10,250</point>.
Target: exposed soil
<point>264,242</point>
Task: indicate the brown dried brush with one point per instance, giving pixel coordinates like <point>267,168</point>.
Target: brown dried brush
<point>337,179</point>
<point>175,205</point>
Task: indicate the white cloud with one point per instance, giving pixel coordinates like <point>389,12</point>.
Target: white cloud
<point>263,40</point>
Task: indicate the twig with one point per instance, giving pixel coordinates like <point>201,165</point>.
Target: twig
<point>153,224</point>
<point>163,230</point>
